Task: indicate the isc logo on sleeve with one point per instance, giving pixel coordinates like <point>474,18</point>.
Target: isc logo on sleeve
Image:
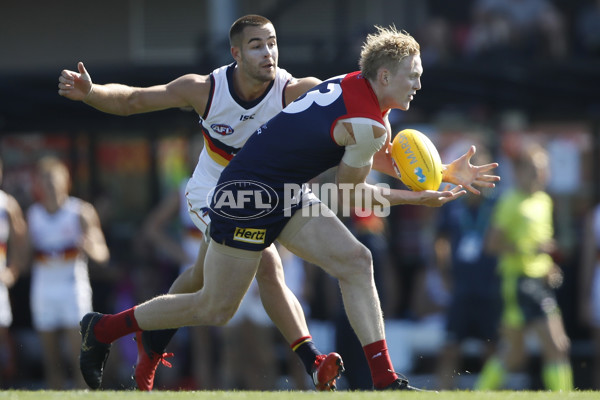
<point>249,235</point>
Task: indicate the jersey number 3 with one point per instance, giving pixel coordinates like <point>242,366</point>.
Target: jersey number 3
<point>334,90</point>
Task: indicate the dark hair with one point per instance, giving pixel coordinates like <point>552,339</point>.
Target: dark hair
<point>247,20</point>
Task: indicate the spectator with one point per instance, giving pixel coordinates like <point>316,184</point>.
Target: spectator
<point>518,27</point>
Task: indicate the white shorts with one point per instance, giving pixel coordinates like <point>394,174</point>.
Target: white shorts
<point>197,195</point>
<point>60,295</point>
<point>5,309</point>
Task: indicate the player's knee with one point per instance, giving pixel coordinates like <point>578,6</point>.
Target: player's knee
<point>215,316</point>
<point>358,263</point>
<point>217,312</point>
<point>221,318</point>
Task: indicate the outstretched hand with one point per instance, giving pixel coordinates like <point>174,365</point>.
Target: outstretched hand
<point>462,172</point>
<point>433,198</point>
<point>75,85</point>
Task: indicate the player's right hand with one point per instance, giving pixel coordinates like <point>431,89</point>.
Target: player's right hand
<point>433,198</point>
<point>75,85</point>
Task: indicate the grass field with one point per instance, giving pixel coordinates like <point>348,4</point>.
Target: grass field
<point>291,395</point>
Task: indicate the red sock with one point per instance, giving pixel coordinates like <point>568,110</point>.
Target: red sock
<point>113,326</point>
<point>380,364</point>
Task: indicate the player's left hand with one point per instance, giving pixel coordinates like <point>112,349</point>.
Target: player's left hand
<point>462,172</point>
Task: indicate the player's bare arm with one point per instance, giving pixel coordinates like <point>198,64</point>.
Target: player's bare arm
<point>186,91</point>
<point>298,86</point>
<point>93,242</point>
<point>353,169</point>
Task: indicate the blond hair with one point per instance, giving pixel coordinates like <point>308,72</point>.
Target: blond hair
<point>387,47</point>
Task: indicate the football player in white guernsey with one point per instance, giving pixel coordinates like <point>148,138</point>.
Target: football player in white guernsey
<point>64,233</point>
<point>232,102</point>
<point>13,240</point>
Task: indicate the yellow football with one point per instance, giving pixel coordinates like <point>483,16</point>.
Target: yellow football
<point>416,160</point>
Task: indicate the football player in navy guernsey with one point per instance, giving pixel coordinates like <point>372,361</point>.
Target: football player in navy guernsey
<point>340,123</point>
<point>232,102</point>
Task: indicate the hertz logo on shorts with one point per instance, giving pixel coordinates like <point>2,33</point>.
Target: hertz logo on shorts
<point>250,235</point>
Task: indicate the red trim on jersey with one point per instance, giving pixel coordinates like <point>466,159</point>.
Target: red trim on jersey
<point>360,100</point>
<point>359,97</point>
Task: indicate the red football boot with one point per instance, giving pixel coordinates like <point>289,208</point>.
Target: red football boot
<point>326,370</point>
<point>147,362</point>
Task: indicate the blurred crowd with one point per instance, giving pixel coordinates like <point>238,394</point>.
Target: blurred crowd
<point>511,29</point>
<point>440,286</point>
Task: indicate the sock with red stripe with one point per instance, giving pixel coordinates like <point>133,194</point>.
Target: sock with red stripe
<point>307,351</point>
<point>113,326</point>
<point>380,364</point>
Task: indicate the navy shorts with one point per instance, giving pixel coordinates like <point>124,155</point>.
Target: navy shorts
<point>250,227</point>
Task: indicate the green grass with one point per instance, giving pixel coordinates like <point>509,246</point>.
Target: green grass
<point>291,395</point>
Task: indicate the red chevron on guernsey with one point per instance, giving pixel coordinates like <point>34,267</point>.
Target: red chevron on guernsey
<point>218,151</point>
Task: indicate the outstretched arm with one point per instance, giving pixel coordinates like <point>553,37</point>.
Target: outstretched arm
<point>186,91</point>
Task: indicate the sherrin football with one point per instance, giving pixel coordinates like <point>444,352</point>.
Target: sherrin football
<point>416,160</point>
